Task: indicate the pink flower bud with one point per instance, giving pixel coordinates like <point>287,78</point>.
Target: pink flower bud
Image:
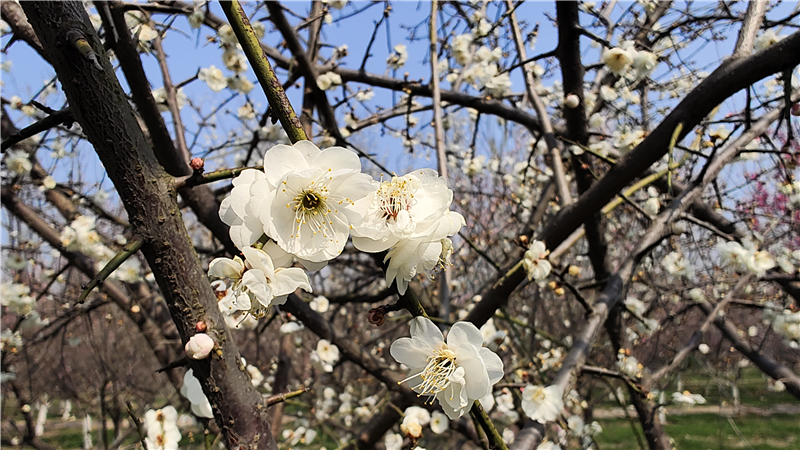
<point>796,109</point>
<point>200,326</point>
<point>199,346</point>
<point>197,163</point>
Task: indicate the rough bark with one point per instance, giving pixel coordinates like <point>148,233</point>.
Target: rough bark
<point>100,106</point>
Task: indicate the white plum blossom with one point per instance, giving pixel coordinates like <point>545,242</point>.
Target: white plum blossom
<point>160,97</point>
<point>199,346</point>
<point>226,34</point>
<point>617,60</point>
<point>393,441</point>
<point>315,196</point>
<point>456,372</point>
<point>328,80</point>
<point>397,59</point>
<point>499,85</point>
<point>18,161</point>
<point>15,297</point>
<point>256,283</point>
<point>439,422</point>
<point>319,304</point>
<point>629,366</point>
<point>213,77</point>
<point>234,60</point>
<point>239,83</point>
<point>410,217</point>
<point>542,404</point>
<point>677,265</point>
<point>644,63</point>
<point>422,415</point>
<point>687,398</point>
<point>326,354</point>
<point>162,429</point>
<point>192,390</point>
<point>196,18</point>
<point>536,265</point>
<point>765,40</point>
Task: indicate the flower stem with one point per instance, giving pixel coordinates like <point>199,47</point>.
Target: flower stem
<point>480,415</point>
<point>276,96</point>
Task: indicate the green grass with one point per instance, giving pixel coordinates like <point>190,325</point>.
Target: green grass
<point>712,432</point>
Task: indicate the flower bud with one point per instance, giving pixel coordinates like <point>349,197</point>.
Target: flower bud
<point>200,326</point>
<point>199,346</point>
<point>197,164</point>
<point>411,427</point>
<point>376,316</point>
<point>574,271</point>
<point>572,101</point>
<point>796,109</point>
<point>26,408</point>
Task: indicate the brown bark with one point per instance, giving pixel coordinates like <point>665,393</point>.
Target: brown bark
<point>100,106</point>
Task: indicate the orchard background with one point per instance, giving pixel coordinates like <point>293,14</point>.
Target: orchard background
<point>626,172</point>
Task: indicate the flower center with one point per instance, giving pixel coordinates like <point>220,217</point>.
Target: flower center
<point>312,207</point>
<point>395,196</point>
<point>539,396</point>
<point>437,374</point>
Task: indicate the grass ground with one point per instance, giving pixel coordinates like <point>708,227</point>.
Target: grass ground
<point>713,432</point>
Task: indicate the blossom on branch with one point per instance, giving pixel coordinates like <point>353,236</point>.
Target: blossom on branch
<point>456,372</point>
<point>409,216</point>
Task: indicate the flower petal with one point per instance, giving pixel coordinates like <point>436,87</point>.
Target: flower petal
<point>406,351</point>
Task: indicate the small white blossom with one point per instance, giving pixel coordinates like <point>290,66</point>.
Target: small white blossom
<point>213,77</point>
<point>542,404</point>
<point>617,60</point>
<point>536,266</point>
<point>199,346</point>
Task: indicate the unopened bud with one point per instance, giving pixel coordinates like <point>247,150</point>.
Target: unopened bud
<point>559,291</point>
<point>26,408</point>
<point>574,271</point>
<point>135,309</point>
<point>376,316</point>
<point>796,109</point>
<point>199,346</point>
<point>197,164</point>
<point>200,326</point>
<point>572,101</point>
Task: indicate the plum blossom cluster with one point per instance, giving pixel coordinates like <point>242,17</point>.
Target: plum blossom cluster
<point>305,205</point>
<point>162,429</point>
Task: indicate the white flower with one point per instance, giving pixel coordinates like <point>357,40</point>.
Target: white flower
<point>617,60</point>
<point>759,262</point>
<point>199,346</point>
<point>162,429</point>
<point>536,266</point>
<point>421,414</point>
<point>704,348</point>
<point>18,161</point>
<point>160,97</point>
<point>677,265</point>
<point>234,60</point>
<point>196,18</point>
<point>765,40</point>
<point>439,422</point>
<point>629,366</point>
<point>15,297</point>
<point>319,304</point>
<point>499,85</point>
<point>10,340</point>
<point>313,198</point>
<point>328,80</point>
<point>393,441</point>
<point>213,77</point>
<point>246,112</point>
<point>644,63</point>
<point>549,445</point>
<point>256,282</point>
<point>731,254</point>
<point>687,398</point>
<point>226,34</point>
<point>410,217</point>
<point>397,59</point>
<point>457,372</point>
<point>192,390</point>
<point>460,48</point>
<point>291,327</point>
<point>411,427</point>
<point>651,206</point>
<point>572,101</point>
<point>240,84</point>
<point>363,96</point>
<point>542,404</point>
<point>336,4</point>
<point>326,355</point>
<point>49,182</point>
